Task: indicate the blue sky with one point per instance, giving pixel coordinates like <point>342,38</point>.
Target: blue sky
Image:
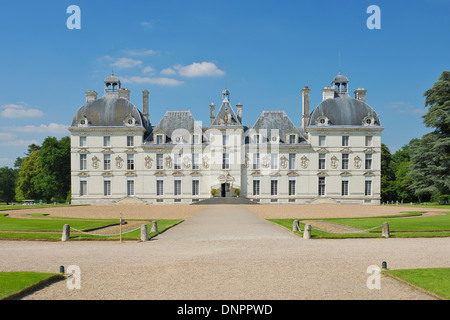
<point>186,52</point>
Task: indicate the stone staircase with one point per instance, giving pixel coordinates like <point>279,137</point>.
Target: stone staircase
<point>231,200</point>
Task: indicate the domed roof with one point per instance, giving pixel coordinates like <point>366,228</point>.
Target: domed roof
<point>108,111</point>
<point>344,111</point>
<point>340,79</point>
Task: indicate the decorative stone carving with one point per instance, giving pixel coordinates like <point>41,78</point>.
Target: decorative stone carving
<point>246,161</point>
<point>95,162</point>
<point>186,162</point>
<point>357,162</point>
<point>148,162</point>
<point>304,162</point>
<point>205,162</point>
<point>334,162</point>
<point>119,162</point>
<point>169,162</point>
<point>283,162</point>
<point>266,161</point>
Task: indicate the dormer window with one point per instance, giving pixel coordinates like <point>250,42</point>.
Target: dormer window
<point>322,121</point>
<point>130,121</point>
<point>292,138</point>
<point>368,121</point>
<point>159,139</point>
<point>83,122</point>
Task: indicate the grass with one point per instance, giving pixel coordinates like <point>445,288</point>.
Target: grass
<point>435,281</point>
<point>12,283</point>
<point>50,228</point>
<point>405,226</point>
<point>4,207</point>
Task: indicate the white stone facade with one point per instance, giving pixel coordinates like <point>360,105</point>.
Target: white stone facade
<point>118,156</point>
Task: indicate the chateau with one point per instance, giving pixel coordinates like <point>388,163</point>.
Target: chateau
<point>333,155</point>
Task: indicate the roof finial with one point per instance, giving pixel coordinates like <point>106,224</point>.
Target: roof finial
<point>339,60</point>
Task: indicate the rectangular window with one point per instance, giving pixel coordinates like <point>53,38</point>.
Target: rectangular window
<point>83,188</point>
<point>273,187</point>
<point>159,162</point>
<point>345,161</point>
<point>83,141</point>
<point>130,161</point>
<point>177,162</point>
<point>195,139</point>
<point>130,188</point>
<point>292,138</point>
<point>177,187</point>
<point>256,187</point>
<point>130,141</point>
<point>159,139</point>
<point>368,161</point>
<point>83,161</point>
<point>159,187</point>
<point>291,161</point>
<point>195,187</point>
<point>274,161</point>
<point>107,162</point>
<point>321,141</point>
<point>292,187</point>
<point>225,140</point>
<point>195,161</point>
<point>256,161</point>
<point>345,141</point>
<point>107,187</point>
<point>225,161</point>
<point>368,141</point>
<point>256,138</point>
<point>107,141</point>
<point>368,187</point>
<point>321,186</point>
<point>321,161</point>
<point>344,186</point>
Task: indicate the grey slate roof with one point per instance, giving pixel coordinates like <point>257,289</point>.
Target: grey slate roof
<point>269,120</point>
<point>226,115</point>
<point>108,111</point>
<point>176,120</point>
<point>344,111</point>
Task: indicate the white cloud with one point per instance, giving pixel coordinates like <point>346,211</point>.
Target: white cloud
<point>19,111</point>
<point>140,52</point>
<point>126,63</point>
<point>405,107</point>
<point>157,81</point>
<point>149,70</point>
<point>168,72</point>
<point>203,69</point>
<point>53,128</point>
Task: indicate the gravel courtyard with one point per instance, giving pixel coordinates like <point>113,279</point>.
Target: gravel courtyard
<point>225,252</point>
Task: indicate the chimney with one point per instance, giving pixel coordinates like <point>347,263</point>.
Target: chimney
<point>91,95</point>
<point>124,93</point>
<point>212,116</point>
<point>239,112</point>
<point>360,94</point>
<point>305,106</point>
<point>145,94</point>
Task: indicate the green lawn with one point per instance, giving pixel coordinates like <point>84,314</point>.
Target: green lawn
<point>51,228</point>
<point>14,282</point>
<point>436,281</point>
<point>408,225</point>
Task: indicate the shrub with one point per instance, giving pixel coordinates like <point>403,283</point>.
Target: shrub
<point>444,199</point>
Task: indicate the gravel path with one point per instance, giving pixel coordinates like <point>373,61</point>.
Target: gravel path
<point>226,252</point>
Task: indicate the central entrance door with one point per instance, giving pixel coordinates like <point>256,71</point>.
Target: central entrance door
<point>225,190</point>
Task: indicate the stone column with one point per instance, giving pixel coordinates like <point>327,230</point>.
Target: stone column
<point>307,232</point>
<point>154,227</point>
<point>66,233</point>
<point>295,226</point>
<point>144,233</point>
<point>385,230</point>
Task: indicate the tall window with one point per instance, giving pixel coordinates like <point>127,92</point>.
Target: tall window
<point>107,187</point>
<point>225,140</point>
<point>368,141</point>
<point>195,187</point>
<point>256,187</point>
<point>321,186</point>
<point>321,161</point>
<point>291,161</point>
<point>225,160</point>
<point>345,161</point>
<point>159,187</point>
<point>177,162</point>
<point>292,187</point>
<point>130,188</point>
<point>321,141</point>
<point>177,187</point>
<point>130,161</point>
<point>195,161</point>
<point>107,141</point>
<point>368,187</point>
<point>256,161</point>
<point>345,141</point>
<point>273,187</point>
<point>292,138</point>
<point>159,139</point>
<point>83,141</point>
<point>159,162</point>
<point>344,186</point>
<point>195,139</point>
<point>83,161</point>
<point>274,161</point>
<point>130,141</point>
<point>368,161</point>
<point>83,187</point>
<point>106,162</point>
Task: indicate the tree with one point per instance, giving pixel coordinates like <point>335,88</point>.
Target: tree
<point>29,170</point>
<point>7,184</point>
<point>387,175</point>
